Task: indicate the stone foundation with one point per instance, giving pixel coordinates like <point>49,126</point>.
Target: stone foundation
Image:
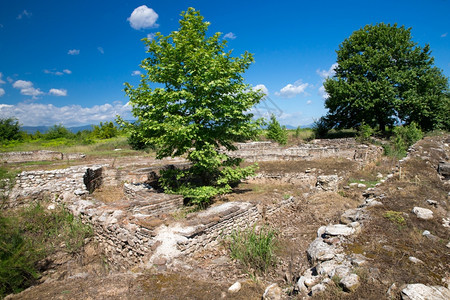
<point>40,155</point>
<point>339,148</point>
<point>129,230</point>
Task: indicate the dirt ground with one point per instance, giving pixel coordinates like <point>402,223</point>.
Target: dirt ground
<point>209,273</point>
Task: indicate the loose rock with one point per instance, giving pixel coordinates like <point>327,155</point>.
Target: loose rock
<point>419,291</point>
<point>423,213</point>
<point>272,292</point>
<point>350,282</point>
<point>318,250</point>
<point>236,287</point>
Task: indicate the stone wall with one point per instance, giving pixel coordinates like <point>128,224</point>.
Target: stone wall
<point>339,148</point>
<point>145,200</point>
<point>40,155</point>
<point>128,230</point>
<point>36,184</point>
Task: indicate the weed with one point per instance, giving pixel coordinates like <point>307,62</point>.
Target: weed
<point>286,196</point>
<point>395,217</point>
<point>254,248</point>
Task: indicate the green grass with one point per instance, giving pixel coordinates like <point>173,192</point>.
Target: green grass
<point>67,145</point>
<point>255,249</point>
<point>7,181</point>
<point>28,235</point>
<point>368,183</point>
<point>99,148</point>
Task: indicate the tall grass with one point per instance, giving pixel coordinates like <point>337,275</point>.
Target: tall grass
<point>28,235</point>
<point>255,249</point>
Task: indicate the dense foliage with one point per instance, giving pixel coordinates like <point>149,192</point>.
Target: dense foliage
<point>402,138</point>
<point>9,130</point>
<point>193,100</point>
<point>383,78</point>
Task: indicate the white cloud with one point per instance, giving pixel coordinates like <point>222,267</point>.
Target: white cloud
<point>261,87</point>
<point>230,36</point>
<point>58,92</point>
<point>143,17</point>
<point>291,90</point>
<point>323,93</point>
<point>58,73</point>
<point>308,102</point>
<point>36,114</point>
<point>1,81</point>
<point>74,52</point>
<point>136,73</point>
<point>2,92</point>
<point>327,73</point>
<point>26,88</point>
<point>23,14</point>
<point>444,35</point>
<point>100,49</point>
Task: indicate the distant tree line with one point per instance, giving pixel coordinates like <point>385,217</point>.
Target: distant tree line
<point>10,132</point>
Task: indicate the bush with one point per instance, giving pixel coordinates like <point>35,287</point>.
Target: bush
<point>30,234</point>
<point>276,132</point>
<point>364,133</point>
<point>105,130</point>
<point>198,186</point>
<point>9,130</point>
<point>403,137</point>
<point>254,248</point>
<point>58,132</point>
<point>320,128</point>
<point>297,132</point>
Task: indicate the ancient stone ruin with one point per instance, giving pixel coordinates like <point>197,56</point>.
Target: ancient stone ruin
<point>131,231</point>
<point>128,229</point>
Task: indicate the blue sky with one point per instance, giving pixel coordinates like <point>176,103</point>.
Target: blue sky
<point>65,62</point>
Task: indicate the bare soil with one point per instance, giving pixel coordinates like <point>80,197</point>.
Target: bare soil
<point>209,273</point>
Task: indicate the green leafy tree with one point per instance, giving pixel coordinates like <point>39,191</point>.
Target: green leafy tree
<point>382,78</point>
<point>276,132</point>
<point>57,132</point>
<point>105,130</point>
<point>193,100</point>
<point>9,130</point>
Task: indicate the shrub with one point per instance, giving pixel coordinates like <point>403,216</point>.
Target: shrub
<point>57,132</point>
<point>105,130</point>
<point>297,132</point>
<point>198,188</point>
<point>254,248</point>
<point>320,128</point>
<point>9,130</point>
<point>403,137</point>
<point>276,132</point>
<point>364,133</point>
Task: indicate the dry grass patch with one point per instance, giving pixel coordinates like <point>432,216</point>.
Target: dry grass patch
<point>109,194</point>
